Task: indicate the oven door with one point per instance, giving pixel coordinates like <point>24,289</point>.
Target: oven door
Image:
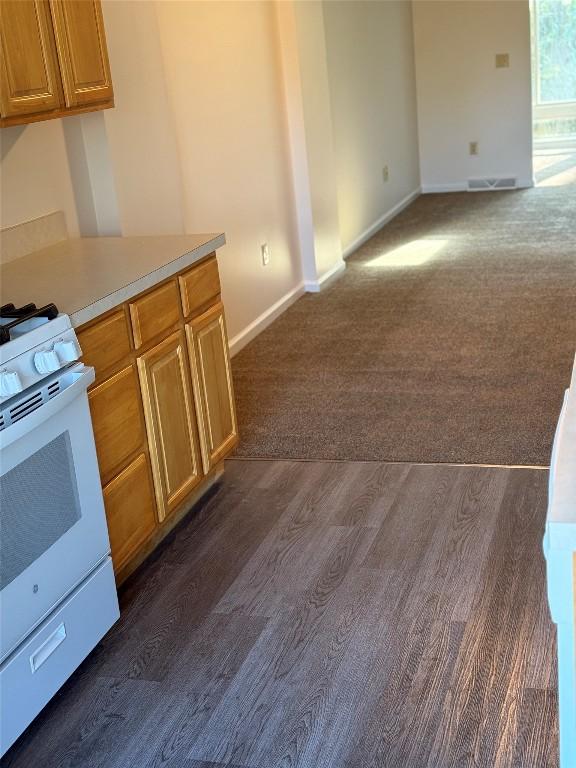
<point>52,523</point>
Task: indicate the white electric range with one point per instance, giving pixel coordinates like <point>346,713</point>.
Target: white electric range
<point>57,590</point>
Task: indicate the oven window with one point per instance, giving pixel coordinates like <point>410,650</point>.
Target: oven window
<point>39,502</point>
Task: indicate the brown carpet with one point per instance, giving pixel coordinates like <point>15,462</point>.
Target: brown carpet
<point>457,349</point>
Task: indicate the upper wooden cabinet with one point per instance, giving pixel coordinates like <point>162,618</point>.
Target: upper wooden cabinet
<point>30,74</point>
<point>81,46</point>
<point>54,60</point>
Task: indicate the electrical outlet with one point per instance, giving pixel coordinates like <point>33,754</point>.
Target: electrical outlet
<point>265,252</point>
<point>473,147</point>
<point>502,60</point>
<point>385,174</point>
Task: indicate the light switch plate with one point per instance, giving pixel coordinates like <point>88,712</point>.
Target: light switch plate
<point>502,60</point>
<point>265,253</point>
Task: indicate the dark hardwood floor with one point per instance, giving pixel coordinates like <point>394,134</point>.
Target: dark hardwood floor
<point>326,615</point>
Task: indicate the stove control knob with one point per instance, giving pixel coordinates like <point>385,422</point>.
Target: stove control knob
<point>67,351</point>
<point>10,383</point>
<point>46,361</point>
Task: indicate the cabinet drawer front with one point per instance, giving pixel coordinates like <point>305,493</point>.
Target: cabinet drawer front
<point>30,78</point>
<point>200,286</point>
<point>117,421</point>
<point>155,313</point>
<point>170,422</point>
<point>129,503</point>
<point>212,377</point>
<point>106,344</point>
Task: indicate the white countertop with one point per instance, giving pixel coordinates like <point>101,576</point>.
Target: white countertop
<point>87,276</point>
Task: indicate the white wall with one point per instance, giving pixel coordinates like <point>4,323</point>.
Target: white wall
<point>224,82</point>
<point>35,175</point>
<point>317,116</point>
<point>140,129</point>
<point>373,95</point>
<point>462,97</point>
<point>302,48</point>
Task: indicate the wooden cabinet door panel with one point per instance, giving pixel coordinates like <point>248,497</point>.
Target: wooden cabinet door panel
<point>170,424</point>
<point>30,79</point>
<point>129,503</point>
<point>117,421</point>
<point>82,52</point>
<point>213,390</point>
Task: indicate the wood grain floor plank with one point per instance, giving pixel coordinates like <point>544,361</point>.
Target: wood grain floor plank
<point>202,764</point>
<point>542,667</point>
<point>93,726</point>
<point>461,538</point>
<point>147,647</point>
<point>283,477</point>
<point>283,568</point>
<point>537,735</point>
<point>479,727</point>
<point>251,473</point>
<point>323,485</point>
<point>206,665</point>
<point>304,731</point>
<point>407,529</point>
<point>369,494</point>
<point>403,703</point>
<point>279,666</point>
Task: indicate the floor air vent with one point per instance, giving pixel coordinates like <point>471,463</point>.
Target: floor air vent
<point>480,185</point>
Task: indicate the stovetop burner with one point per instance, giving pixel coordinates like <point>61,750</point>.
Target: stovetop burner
<point>11,317</point>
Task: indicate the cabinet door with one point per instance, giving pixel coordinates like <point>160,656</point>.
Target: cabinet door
<point>118,430</point>
<point>170,423</point>
<point>129,504</point>
<point>212,378</point>
<point>29,67</point>
<point>81,45</point>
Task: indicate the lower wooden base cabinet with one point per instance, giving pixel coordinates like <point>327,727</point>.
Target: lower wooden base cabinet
<point>162,406</point>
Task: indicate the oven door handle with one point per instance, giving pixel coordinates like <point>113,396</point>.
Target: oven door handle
<point>83,376</point>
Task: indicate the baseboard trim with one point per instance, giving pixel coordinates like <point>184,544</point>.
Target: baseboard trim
<point>458,186</point>
<point>239,341</point>
<point>462,186</point>
<point>314,286</point>
<point>379,223</point>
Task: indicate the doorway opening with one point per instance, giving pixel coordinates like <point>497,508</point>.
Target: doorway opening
<point>553,24</point>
